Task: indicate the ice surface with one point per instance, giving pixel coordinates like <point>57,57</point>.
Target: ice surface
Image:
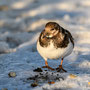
<point>21,21</point>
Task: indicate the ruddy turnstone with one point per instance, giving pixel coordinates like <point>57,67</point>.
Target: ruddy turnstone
<point>55,42</point>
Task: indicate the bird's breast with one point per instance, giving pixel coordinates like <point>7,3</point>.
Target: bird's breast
<point>51,52</point>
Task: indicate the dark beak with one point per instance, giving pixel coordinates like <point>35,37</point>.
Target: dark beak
<point>46,35</point>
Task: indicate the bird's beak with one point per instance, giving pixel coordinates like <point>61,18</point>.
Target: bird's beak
<point>46,35</point>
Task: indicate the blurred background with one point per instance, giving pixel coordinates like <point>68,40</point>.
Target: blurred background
<point>21,21</point>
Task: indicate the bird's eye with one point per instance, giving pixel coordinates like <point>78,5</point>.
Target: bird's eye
<point>52,29</point>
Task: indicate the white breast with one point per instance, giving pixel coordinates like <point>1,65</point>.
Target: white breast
<point>51,52</point>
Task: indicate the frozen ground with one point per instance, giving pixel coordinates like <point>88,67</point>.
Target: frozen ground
<point>20,24</point>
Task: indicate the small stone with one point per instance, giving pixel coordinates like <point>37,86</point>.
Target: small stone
<point>40,73</point>
<point>4,89</point>
<point>57,78</point>
<point>12,74</point>
<point>52,82</point>
<point>37,70</point>
<point>34,84</point>
<point>36,76</point>
<point>72,76</point>
<point>46,77</point>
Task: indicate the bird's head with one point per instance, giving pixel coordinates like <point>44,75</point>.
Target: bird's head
<point>51,29</point>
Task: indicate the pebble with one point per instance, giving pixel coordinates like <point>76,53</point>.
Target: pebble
<point>40,73</point>
<point>34,84</point>
<point>52,82</point>
<point>37,70</point>
<point>12,74</point>
<point>72,76</point>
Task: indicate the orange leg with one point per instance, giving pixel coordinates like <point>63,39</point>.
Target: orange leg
<point>46,63</point>
<point>60,67</point>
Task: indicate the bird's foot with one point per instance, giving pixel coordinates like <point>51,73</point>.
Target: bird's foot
<point>48,67</point>
<point>60,68</point>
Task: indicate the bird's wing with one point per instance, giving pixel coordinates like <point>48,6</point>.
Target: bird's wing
<point>70,36</point>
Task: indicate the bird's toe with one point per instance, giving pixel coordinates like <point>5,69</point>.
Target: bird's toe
<point>60,68</point>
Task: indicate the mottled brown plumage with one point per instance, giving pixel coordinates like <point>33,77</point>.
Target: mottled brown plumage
<point>53,25</point>
<point>44,41</point>
<point>57,39</point>
<point>55,42</point>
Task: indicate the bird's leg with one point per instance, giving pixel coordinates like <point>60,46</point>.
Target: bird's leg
<point>46,65</point>
<point>60,67</point>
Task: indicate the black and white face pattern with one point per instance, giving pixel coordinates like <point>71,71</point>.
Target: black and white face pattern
<point>51,29</point>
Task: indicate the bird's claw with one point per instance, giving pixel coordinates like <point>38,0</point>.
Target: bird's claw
<point>60,68</point>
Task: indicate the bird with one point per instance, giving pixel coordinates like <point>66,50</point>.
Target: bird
<point>55,42</point>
